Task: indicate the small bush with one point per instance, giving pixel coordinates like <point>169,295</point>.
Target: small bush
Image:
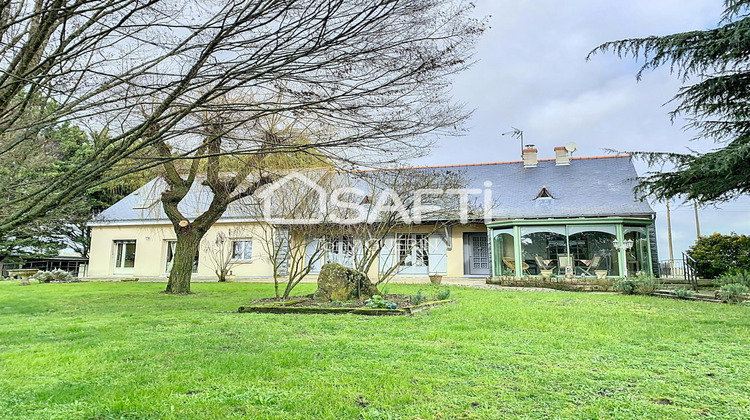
<point>42,277</point>
<point>377,302</point>
<point>54,276</point>
<point>733,293</point>
<point>443,294</point>
<point>717,254</point>
<point>637,286</point>
<point>683,293</point>
<point>420,297</point>
<point>626,286</point>
<point>646,285</point>
<point>736,276</point>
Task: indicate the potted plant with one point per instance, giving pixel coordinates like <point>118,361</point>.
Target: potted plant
<point>436,278</point>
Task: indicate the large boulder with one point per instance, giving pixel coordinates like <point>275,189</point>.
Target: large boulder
<point>336,282</point>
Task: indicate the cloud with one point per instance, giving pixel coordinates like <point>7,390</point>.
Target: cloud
<point>532,74</point>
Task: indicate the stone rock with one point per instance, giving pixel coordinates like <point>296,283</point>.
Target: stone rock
<point>336,282</point>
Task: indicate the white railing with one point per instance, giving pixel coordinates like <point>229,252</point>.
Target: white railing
<point>672,269</point>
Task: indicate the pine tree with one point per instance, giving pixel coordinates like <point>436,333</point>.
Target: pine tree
<point>716,105</point>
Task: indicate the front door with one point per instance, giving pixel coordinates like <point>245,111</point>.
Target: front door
<point>476,254</point>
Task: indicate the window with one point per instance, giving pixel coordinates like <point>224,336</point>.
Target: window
<point>544,193</point>
<point>340,249</point>
<point>242,250</point>
<point>412,250</point>
<point>503,247</point>
<point>638,255</point>
<point>171,246</point>
<point>124,256</point>
<point>544,248</point>
<point>594,250</point>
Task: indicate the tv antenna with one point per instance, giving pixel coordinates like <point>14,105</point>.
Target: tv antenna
<point>516,133</point>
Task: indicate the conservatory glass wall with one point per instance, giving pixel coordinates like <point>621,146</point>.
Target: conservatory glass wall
<point>503,252</point>
<point>606,247</point>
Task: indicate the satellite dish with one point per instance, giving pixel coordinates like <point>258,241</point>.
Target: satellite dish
<point>571,147</point>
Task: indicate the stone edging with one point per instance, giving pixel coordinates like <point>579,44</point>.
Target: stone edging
<point>283,308</point>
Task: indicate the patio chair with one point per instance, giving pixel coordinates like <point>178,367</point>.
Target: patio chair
<point>563,261</point>
<point>511,263</point>
<point>589,265</point>
<point>543,264</point>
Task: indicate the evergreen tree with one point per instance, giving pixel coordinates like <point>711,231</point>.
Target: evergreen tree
<point>717,105</point>
<point>46,152</point>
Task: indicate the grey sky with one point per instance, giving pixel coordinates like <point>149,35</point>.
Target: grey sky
<point>532,74</point>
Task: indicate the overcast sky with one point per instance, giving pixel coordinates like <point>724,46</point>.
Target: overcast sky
<point>532,74</point>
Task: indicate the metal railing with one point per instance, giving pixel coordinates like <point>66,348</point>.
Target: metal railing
<point>682,269</point>
<point>689,264</point>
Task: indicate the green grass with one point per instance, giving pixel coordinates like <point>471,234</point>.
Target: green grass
<point>122,350</point>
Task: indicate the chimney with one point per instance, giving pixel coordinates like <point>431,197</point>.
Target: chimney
<point>562,157</point>
<point>529,156</point>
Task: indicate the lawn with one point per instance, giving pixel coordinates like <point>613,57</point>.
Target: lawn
<point>122,350</point>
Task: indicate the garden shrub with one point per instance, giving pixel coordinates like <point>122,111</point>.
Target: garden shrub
<point>443,294</point>
<point>420,297</point>
<point>54,276</point>
<point>683,293</point>
<point>718,254</point>
<point>733,293</point>
<point>626,286</point>
<point>377,302</point>
<point>637,286</point>
<point>736,276</point>
<point>646,285</point>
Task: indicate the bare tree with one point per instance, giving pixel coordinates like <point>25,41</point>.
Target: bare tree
<point>421,201</point>
<point>236,157</point>
<point>377,70</point>
<point>221,253</point>
<point>294,252</point>
<point>293,223</point>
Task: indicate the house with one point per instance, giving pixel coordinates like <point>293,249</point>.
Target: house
<point>73,264</point>
<point>567,216</point>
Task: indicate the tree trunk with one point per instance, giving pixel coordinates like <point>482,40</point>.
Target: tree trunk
<point>188,241</point>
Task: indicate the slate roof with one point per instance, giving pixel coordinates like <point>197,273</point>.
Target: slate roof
<point>588,187</point>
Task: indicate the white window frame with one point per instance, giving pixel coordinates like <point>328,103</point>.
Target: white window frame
<point>119,266</point>
<point>244,241</point>
<point>168,250</point>
<point>415,244</point>
<point>340,249</point>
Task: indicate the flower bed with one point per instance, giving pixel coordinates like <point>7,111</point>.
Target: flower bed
<point>308,305</point>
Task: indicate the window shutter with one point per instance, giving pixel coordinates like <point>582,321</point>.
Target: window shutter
<point>281,243</point>
<point>387,257</point>
<point>310,253</point>
<point>438,263</point>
